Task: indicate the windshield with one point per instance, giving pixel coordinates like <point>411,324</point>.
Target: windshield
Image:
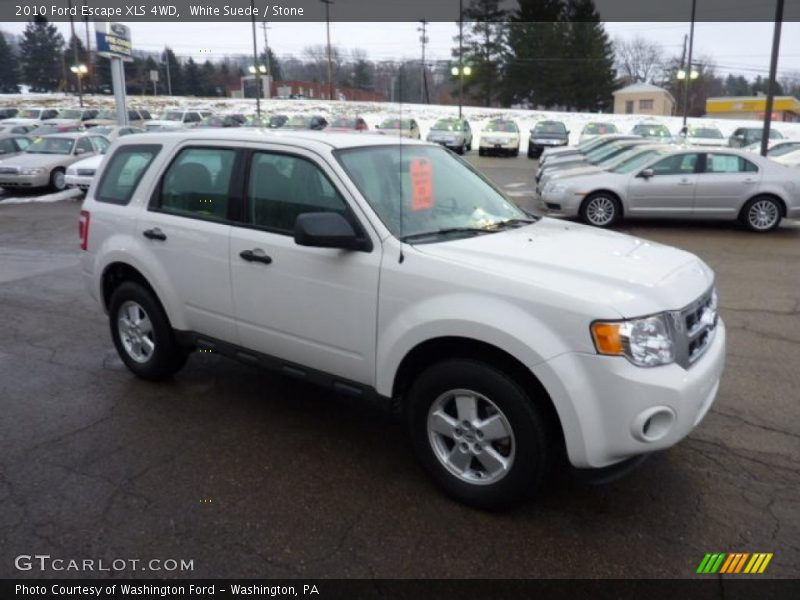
<point>396,124</point>
<point>775,135</point>
<point>107,114</point>
<point>302,122</point>
<point>705,132</point>
<point>447,125</point>
<point>599,128</point>
<point>607,151</point>
<point>426,189</point>
<point>632,163</point>
<point>783,149</point>
<point>656,131</point>
<point>343,123</point>
<point>29,113</point>
<point>508,126</point>
<point>171,115</point>
<point>550,127</point>
<point>593,144</point>
<point>102,130</point>
<point>70,114</point>
<point>51,145</point>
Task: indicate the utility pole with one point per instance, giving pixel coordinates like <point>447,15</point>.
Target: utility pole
<point>255,63</point>
<point>460,56</point>
<point>264,26</point>
<point>773,69</point>
<point>327,4</point>
<point>424,40</point>
<point>689,69</point>
<point>169,79</point>
<point>76,57</point>
<point>89,58</point>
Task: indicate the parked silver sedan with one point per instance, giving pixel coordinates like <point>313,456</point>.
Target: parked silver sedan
<point>684,183</point>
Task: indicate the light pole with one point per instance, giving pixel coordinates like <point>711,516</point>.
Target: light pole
<point>460,72</point>
<point>423,87</point>
<point>255,62</point>
<point>80,71</point>
<point>689,63</point>
<point>773,68</point>
<point>327,4</point>
<point>460,54</point>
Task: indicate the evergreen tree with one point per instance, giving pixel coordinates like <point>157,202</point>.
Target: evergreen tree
<point>9,77</point>
<point>483,45</point>
<point>75,46</point>
<point>362,75</point>
<point>40,54</point>
<point>590,60</point>
<point>534,73</point>
<point>209,85</point>
<point>274,65</point>
<point>175,73</point>
<point>192,78</point>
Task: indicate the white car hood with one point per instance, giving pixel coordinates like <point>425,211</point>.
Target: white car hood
<point>93,162</point>
<point>693,141</point>
<point>629,275</point>
<point>16,121</point>
<point>161,123</point>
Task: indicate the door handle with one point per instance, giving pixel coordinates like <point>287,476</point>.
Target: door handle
<point>749,180</point>
<point>154,234</point>
<point>685,182</point>
<point>256,255</point>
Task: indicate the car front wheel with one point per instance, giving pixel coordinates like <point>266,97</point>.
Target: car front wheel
<point>478,433</point>
<point>58,180</point>
<point>601,210</point>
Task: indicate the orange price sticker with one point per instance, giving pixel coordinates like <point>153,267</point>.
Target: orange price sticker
<point>421,173</point>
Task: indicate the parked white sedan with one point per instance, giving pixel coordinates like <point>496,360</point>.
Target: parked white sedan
<point>686,183</point>
<point>80,174</point>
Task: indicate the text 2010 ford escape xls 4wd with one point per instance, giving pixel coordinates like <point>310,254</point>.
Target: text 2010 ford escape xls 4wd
<point>395,271</point>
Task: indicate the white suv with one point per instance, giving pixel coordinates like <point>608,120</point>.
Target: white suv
<point>394,271</point>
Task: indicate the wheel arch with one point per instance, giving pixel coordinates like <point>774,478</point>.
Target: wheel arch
<point>433,350</point>
<point>766,194</point>
<point>604,190</point>
<point>116,273</point>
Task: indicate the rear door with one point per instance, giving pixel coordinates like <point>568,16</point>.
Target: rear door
<point>187,229</point>
<point>726,182</point>
<point>670,191</point>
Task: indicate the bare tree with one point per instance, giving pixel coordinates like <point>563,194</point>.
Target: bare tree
<point>638,59</point>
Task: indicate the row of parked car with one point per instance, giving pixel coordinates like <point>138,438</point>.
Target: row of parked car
<point>614,176</point>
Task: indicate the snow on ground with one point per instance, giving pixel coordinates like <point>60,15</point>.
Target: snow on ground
<point>56,197</point>
<point>375,112</point>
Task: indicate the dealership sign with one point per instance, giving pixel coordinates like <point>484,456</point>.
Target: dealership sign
<point>113,40</point>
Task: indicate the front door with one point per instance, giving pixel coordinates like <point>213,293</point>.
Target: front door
<point>669,192</point>
<point>316,307</point>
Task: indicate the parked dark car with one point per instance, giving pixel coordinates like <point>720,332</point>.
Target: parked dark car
<point>314,122</point>
<point>12,144</point>
<point>8,113</point>
<point>547,134</point>
<point>220,121</point>
<point>744,136</point>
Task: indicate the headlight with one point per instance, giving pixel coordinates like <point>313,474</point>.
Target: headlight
<point>37,171</point>
<point>646,342</point>
<point>555,188</point>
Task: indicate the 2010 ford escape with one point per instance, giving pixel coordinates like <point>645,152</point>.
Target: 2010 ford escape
<point>395,271</point>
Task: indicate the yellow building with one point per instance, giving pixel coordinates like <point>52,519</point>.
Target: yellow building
<point>643,99</point>
<point>784,108</point>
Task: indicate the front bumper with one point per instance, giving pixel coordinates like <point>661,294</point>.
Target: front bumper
<point>563,204</point>
<point>78,181</point>
<point>25,181</point>
<point>604,402</point>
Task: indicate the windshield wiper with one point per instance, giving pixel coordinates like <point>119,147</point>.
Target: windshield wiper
<point>445,231</point>
<point>513,223</point>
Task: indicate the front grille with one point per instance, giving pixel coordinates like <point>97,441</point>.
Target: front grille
<point>694,328</point>
<point>9,171</point>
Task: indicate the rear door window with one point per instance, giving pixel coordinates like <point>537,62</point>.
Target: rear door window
<point>728,163</point>
<point>198,183</point>
<point>124,172</point>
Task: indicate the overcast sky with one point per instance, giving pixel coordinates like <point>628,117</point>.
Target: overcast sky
<point>735,47</point>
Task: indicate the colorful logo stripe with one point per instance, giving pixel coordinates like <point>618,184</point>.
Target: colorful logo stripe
<point>734,563</point>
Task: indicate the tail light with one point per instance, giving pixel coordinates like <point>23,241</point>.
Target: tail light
<point>83,229</point>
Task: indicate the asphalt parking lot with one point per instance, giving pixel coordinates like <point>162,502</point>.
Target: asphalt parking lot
<point>248,474</point>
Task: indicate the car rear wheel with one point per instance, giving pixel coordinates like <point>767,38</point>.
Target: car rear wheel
<point>58,180</point>
<point>601,210</point>
<point>761,214</point>
<point>142,333</point>
<point>478,433</point>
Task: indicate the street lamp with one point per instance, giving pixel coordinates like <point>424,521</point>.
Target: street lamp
<point>80,71</point>
<point>259,69</point>
<point>460,72</point>
<point>693,74</point>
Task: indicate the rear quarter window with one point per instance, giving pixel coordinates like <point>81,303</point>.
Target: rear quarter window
<point>124,172</point>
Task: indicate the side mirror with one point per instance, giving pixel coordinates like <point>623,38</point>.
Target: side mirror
<point>646,174</point>
<point>327,230</point>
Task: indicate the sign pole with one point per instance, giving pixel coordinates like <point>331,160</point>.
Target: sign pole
<point>114,43</point>
<point>118,83</point>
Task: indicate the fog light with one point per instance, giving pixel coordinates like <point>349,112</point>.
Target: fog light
<point>653,424</point>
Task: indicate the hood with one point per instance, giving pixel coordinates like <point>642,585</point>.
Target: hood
<point>58,121</point>
<point>16,121</point>
<point>693,141</point>
<point>87,163</point>
<point>548,136</point>
<point>626,274</point>
<point>576,172</point>
<point>96,122</point>
<point>162,123</point>
<point>31,161</point>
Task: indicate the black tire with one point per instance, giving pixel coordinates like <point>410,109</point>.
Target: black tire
<point>168,356</point>
<point>515,152</point>
<point>610,201</point>
<point>57,183</point>
<point>469,147</point>
<point>461,149</point>
<point>481,152</point>
<point>533,448</point>
<point>761,221</point>
<point>530,153</point>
